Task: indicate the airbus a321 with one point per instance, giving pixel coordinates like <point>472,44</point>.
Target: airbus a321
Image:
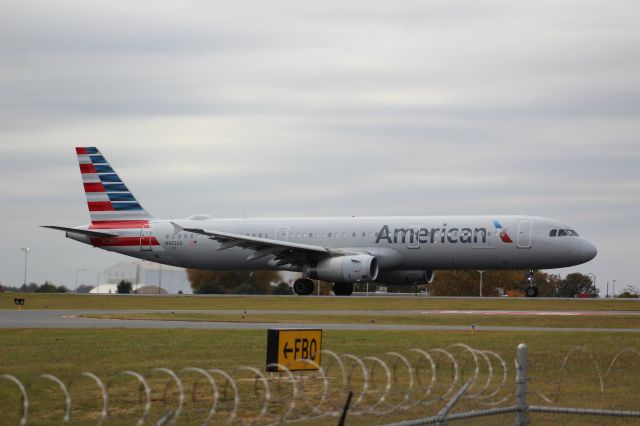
<point>393,250</point>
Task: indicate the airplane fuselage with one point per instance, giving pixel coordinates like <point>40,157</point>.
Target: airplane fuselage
<point>405,243</point>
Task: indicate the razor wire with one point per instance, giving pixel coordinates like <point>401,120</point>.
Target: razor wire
<point>391,384</point>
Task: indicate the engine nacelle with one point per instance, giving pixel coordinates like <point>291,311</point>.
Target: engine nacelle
<point>346,269</point>
<point>405,277</point>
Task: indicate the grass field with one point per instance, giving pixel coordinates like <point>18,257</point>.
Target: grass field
<point>65,353</point>
<point>85,301</point>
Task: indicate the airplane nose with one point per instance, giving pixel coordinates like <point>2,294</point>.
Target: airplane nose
<point>588,251</point>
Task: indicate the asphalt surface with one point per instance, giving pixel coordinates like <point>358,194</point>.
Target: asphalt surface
<point>70,319</point>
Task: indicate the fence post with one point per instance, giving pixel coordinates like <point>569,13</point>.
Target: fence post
<point>521,384</point>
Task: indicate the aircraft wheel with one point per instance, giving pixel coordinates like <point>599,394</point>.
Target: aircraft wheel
<point>342,289</point>
<point>532,292</point>
<point>303,287</point>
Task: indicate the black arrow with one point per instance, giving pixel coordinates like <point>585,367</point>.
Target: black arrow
<point>286,350</point>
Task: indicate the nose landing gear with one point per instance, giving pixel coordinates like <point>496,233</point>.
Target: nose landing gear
<point>532,289</point>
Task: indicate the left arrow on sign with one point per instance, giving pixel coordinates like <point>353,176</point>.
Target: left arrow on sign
<point>286,350</point>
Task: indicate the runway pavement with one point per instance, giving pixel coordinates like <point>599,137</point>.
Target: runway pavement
<point>70,319</point>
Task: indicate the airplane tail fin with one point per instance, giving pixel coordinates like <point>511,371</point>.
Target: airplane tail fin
<point>111,204</point>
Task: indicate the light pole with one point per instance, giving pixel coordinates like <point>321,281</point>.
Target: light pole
<point>481,272</point>
<point>26,253</point>
<point>77,272</point>
<point>594,278</point>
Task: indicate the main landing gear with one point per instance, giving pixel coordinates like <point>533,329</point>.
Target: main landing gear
<point>303,287</point>
<point>532,290</point>
<point>342,289</point>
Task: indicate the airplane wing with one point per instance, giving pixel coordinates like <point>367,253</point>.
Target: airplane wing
<point>285,252</point>
<point>81,231</point>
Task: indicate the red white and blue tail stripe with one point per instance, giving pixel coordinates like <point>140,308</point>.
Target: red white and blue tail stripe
<point>111,204</point>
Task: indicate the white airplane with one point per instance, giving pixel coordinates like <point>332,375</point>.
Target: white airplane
<point>393,250</point>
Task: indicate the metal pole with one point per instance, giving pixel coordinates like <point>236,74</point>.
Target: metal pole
<point>26,253</point>
<point>607,289</point>
<point>343,416</point>
<point>521,383</point>
<point>77,272</point>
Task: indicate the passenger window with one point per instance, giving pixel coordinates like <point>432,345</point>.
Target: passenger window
<point>553,232</point>
<point>260,235</point>
<point>344,235</point>
<point>329,234</point>
<point>324,234</point>
<point>353,235</point>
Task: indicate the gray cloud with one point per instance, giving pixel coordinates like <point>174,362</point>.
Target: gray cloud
<point>333,108</point>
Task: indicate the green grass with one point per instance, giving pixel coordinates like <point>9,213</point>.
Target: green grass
<point>556,321</point>
<point>112,302</point>
<point>65,353</point>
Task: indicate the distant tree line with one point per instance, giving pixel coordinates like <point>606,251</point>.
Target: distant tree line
<point>446,283</point>
<point>237,282</point>
<point>630,292</point>
<point>512,283</point>
<point>47,287</point>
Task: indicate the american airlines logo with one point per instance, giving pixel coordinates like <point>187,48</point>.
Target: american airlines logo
<point>413,235</point>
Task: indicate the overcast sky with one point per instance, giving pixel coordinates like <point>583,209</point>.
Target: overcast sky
<point>290,108</point>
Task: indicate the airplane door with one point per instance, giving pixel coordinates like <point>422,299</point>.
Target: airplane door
<point>145,239</point>
<point>282,233</point>
<point>524,234</point>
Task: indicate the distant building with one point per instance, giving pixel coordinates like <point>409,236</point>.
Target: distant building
<point>135,288</point>
<point>146,278</point>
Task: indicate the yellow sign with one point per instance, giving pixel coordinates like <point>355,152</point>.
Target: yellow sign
<point>294,349</point>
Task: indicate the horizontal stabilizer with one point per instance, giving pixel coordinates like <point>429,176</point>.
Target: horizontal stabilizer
<point>81,231</point>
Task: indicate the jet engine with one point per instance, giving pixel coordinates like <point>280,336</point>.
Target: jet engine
<point>346,269</point>
<point>405,277</point>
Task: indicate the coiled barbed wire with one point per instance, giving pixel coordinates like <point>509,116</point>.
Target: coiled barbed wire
<point>393,382</point>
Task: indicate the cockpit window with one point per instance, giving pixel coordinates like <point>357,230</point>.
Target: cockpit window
<point>563,233</point>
